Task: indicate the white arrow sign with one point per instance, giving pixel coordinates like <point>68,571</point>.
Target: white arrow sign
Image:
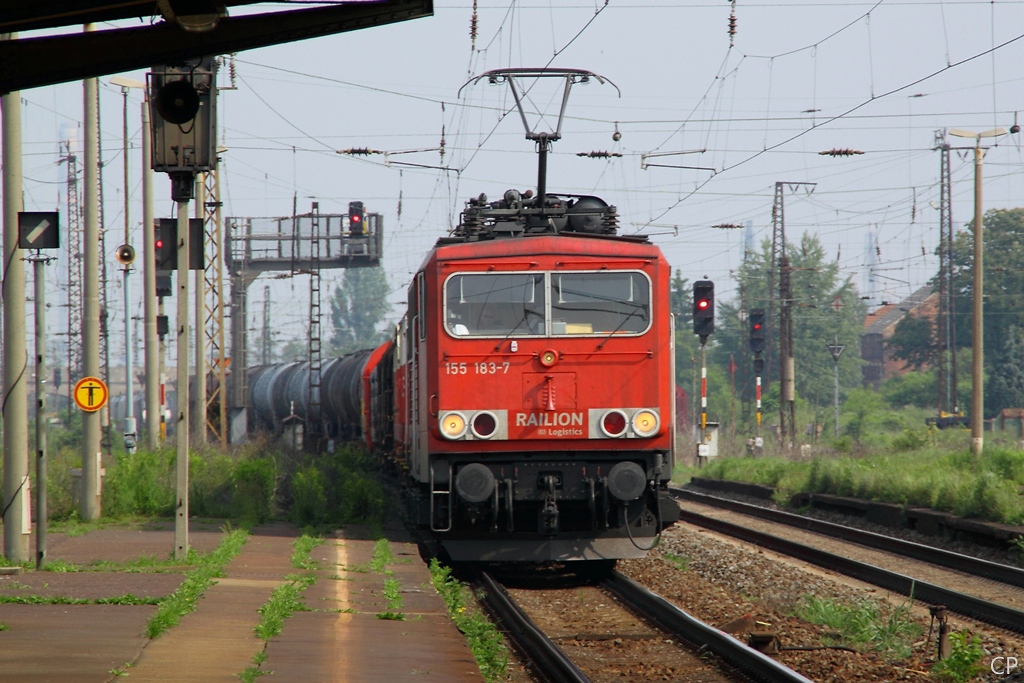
<point>37,231</point>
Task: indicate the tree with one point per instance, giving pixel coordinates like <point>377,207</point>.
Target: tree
<point>358,306</point>
<point>1006,388</point>
<point>1003,232</point>
<point>815,285</point>
<point>913,341</point>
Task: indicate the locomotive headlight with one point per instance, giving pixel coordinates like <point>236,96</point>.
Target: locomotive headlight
<point>484,424</point>
<point>453,425</point>
<point>645,422</point>
<point>613,423</point>
<point>548,357</point>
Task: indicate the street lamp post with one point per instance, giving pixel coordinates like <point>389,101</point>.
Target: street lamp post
<point>977,331</point>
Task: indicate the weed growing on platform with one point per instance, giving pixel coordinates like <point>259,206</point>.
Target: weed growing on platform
<point>182,601</point>
<point>302,547</point>
<point>865,624</point>
<point>284,600</point>
<point>382,557</point>
<point>60,566</point>
<point>964,660</point>
<point>485,641</point>
<point>4,627</point>
<point>126,599</point>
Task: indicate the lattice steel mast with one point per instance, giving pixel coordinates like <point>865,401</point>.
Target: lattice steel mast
<point>946,326</point>
<point>216,407</point>
<point>74,219</point>
<point>313,420</point>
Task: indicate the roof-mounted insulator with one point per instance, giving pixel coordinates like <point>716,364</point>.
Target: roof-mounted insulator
<point>840,152</point>
<point>598,155</point>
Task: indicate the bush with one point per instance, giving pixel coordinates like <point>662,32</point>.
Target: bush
<point>255,482</point>
<point>309,500</point>
<point>140,484</point>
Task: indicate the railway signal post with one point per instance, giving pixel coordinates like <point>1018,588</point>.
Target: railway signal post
<point>757,342</point>
<point>703,326</point>
<point>183,102</point>
<point>39,231</point>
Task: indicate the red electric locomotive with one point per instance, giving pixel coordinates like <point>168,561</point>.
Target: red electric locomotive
<point>533,393</point>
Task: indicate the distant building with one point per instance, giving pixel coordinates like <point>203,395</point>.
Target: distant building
<point>879,327</point>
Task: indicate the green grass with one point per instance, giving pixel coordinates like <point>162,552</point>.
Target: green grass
<point>301,549</point>
<point>126,599</point>
<point>485,641</point>
<point>4,627</point>
<point>865,624</point>
<point>964,661</point>
<point>932,476</point>
<point>183,600</point>
<point>678,561</point>
<point>60,566</point>
<point>283,602</point>
<point>381,556</point>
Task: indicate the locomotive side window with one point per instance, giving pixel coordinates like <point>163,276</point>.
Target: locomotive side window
<point>495,304</point>
<point>604,302</point>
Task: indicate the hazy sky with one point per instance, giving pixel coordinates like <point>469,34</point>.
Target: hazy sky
<point>800,78</point>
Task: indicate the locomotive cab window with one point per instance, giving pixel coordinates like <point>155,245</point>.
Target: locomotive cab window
<point>603,302</point>
<point>495,304</point>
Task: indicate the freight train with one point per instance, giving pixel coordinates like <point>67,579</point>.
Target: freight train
<point>527,393</point>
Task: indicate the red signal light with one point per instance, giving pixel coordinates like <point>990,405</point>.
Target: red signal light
<point>757,326</point>
<point>159,244</point>
<point>703,303</point>
<point>356,218</point>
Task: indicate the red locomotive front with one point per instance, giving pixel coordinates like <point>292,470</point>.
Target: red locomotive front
<point>539,410</point>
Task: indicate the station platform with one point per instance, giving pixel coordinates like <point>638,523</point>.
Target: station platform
<point>337,637</point>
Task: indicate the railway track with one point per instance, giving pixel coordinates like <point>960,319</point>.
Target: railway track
<point>955,565</point>
<point>605,640</point>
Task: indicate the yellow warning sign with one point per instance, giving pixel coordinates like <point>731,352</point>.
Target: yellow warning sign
<point>90,394</point>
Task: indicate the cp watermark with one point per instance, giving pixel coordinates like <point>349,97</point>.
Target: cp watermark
<point>1004,666</point>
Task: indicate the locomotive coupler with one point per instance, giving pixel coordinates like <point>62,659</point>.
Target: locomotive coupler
<point>549,509</point>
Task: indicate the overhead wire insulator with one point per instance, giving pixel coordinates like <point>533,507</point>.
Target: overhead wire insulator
<point>728,226</point>
<point>359,151</point>
<point>598,155</point>
<point>473,25</point>
<point>732,28</point>
<point>844,152</point>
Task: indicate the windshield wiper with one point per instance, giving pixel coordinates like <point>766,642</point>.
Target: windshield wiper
<point>632,313</point>
<point>527,312</point>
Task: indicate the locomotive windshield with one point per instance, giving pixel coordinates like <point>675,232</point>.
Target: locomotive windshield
<point>515,304</point>
<point>492,304</point>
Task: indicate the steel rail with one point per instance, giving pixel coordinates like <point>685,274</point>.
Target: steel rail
<point>556,665</point>
<point>747,660</point>
<point>995,571</point>
<point>984,610</point>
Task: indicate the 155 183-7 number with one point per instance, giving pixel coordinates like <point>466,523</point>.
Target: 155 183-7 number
<point>484,368</point>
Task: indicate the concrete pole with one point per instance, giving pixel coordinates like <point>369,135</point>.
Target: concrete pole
<point>199,400</point>
<point>130,431</point>
<point>15,359</point>
<point>91,458</point>
<point>182,424</point>
<point>978,331</point>
<point>153,369</point>
<point>41,513</point>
